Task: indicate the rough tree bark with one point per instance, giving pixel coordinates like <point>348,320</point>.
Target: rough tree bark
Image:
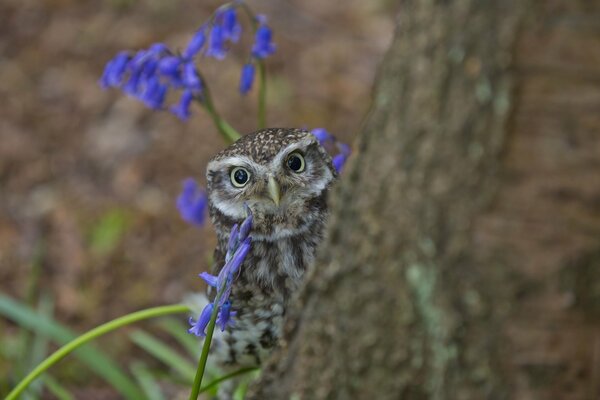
<point>463,256</point>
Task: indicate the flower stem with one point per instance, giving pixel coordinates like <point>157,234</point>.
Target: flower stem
<point>227,131</point>
<point>204,356</point>
<point>90,335</point>
<point>262,95</point>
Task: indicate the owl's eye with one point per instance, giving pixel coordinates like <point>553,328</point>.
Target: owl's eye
<point>295,162</point>
<point>239,177</point>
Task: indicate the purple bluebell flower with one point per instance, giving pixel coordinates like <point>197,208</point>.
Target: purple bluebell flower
<point>225,316</point>
<point>199,326</point>
<point>154,94</point>
<point>246,225</point>
<point>169,66</point>
<point>196,44</point>
<point>263,45</point>
<point>233,242</point>
<point>192,202</point>
<point>322,135</point>
<point>338,161</point>
<point>229,271</point>
<point>115,70</point>
<point>231,26</point>
<point>216,45</point>
<point>182,109</point>
<point>331,144</point>
<point>247,78</point>
<point>237,250</point>
<point>191,77</point>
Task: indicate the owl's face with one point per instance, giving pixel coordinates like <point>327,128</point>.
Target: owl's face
<point>281,174</point>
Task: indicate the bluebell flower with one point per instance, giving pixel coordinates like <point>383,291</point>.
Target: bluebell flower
<point>237,250</point>
<point>169,66</point>
<point>338,162</point>
<point>247,78</point>
<point>211,280</point>
<point>231,26</point>
<point>192,202</point>
<point>154,93</point>
<point>199,326</point>
<point>225,316</point>
<point>115,70</point>
<point>263,45</point>
<point>191,78</point>
<point>331,144</point>
<point>182,109</point>
<point>196,44</point>
<point>322,135</point>
<point>216,45</point>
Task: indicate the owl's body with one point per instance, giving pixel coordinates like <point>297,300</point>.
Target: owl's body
<point>284,176</point>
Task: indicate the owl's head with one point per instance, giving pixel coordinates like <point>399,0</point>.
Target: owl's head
<point>283,176</point>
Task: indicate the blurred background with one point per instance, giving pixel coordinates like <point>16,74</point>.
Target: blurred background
<point>88,178</point>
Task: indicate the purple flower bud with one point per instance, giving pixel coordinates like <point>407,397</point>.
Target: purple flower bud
<point>199,327</point>
<point>322,135</point>
<point>211,280</point>
<point>338,162</point>
<point>216,45</point>
<point>154,95</point>
<point>225,315</point>
<point>232,243</point>
<point>263,47</point>
<point>344,148</point>
<point>246,227</point>
<point>115,70</point>
<point>182,109</point>
<point>196,44</point>
<point>191,78</point>
<point>247,78</point>
<point>231,27</point>
<point>192,202</point>
<point>169,66</point>
<point>225,278</point>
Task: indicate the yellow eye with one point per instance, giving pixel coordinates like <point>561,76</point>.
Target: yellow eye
<point>239,177</point>
<point>295,162</point>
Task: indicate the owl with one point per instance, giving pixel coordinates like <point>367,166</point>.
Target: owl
<point>284,176</point>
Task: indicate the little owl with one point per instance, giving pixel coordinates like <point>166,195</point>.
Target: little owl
<point>283,175</point>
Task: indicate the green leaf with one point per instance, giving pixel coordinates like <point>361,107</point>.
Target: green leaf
<point>108,231</point>
<point>94,359</point>
<point>179,332</point>
<point>57,389</point>
<point>146,381</point>
<point>164,353</point>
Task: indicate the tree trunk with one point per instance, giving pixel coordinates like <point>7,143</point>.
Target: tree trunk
<point>463,255</point>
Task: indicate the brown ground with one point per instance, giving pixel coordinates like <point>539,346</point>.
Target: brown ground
<point>90,176</point>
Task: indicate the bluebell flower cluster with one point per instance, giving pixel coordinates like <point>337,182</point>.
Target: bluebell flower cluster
<point>148,75</point>
<point>237,250</point>
<point>192,203</point>
<point>340,150</point>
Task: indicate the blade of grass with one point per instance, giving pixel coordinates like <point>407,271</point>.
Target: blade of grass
<point>146,381</point>
<point>223,378</point>
<point>57,389</point>
<point>179,331</point>
<point>163,352</point>
<point>94,359</point>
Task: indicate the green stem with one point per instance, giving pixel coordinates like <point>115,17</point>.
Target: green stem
<point>262,95</point>
<point>227,131</point>
<point>204,356</point>
<point>90,335</point>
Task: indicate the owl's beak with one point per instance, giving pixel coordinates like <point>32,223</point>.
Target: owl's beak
<point>273,188</point>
